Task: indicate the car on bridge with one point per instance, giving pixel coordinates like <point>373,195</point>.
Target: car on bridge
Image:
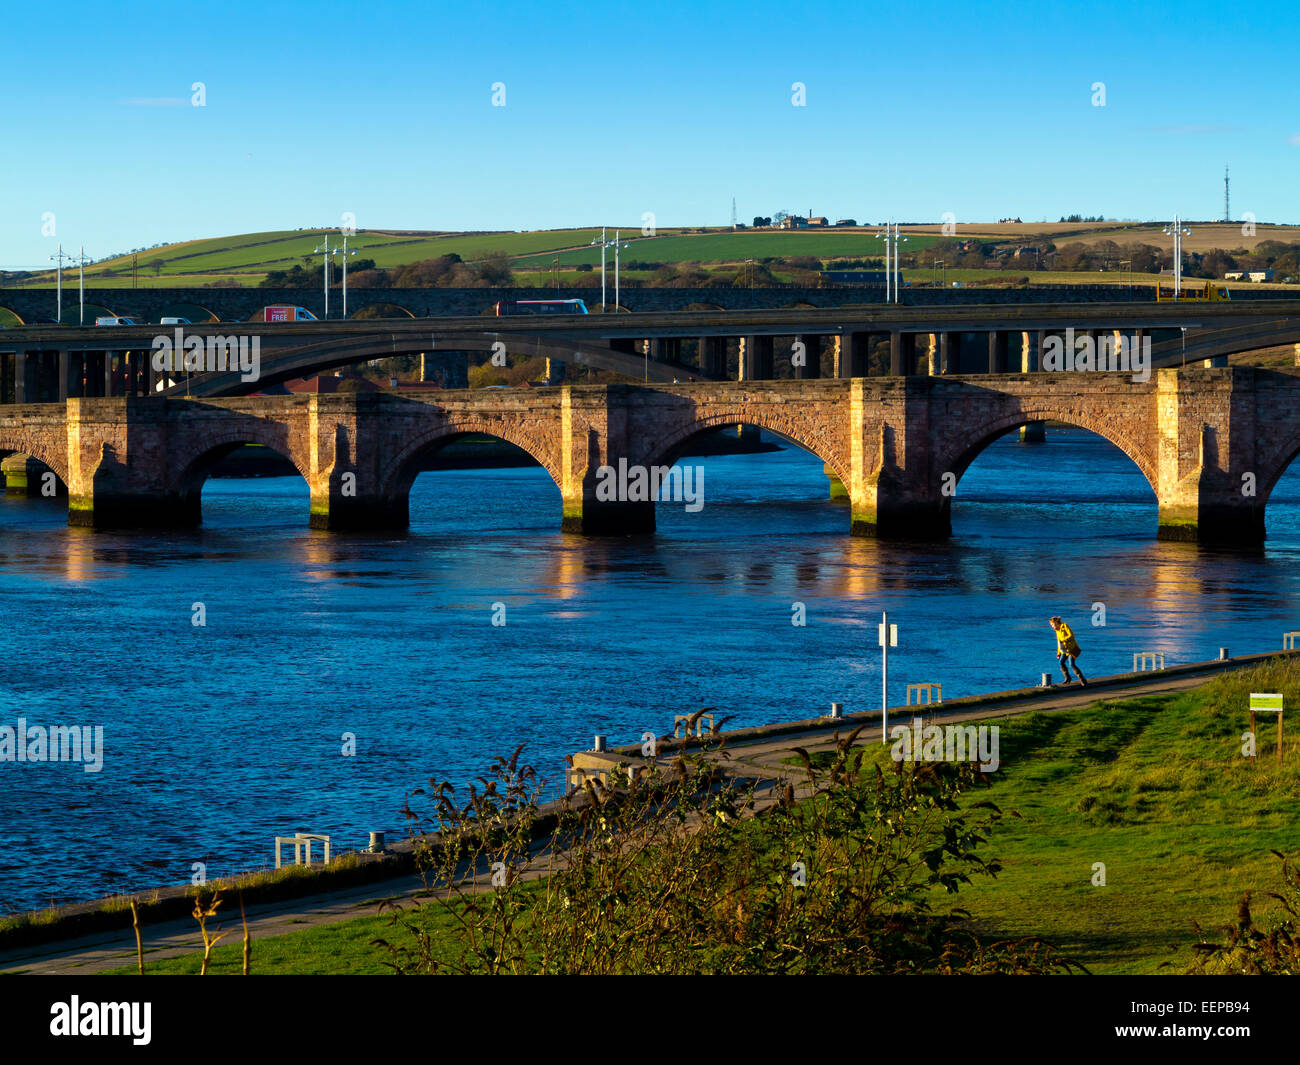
<point>113,319</point>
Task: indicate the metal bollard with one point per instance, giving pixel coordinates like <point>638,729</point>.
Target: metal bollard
<point>1223,654</point>
<point>1046,681</point>
<point>376,843</point>
<point>837,711</point>
<point>599,744</point>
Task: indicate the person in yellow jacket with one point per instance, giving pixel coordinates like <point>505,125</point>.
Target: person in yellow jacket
<point>1067,650</point>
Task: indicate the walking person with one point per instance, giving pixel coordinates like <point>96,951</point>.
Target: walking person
<point>1067,650</point>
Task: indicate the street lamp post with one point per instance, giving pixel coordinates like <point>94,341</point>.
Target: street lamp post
<point>893,276</point>
<point>617,246</point>
<point>1177,230</point>
<point>604,244</point>
<point>888,275</point>
<point>1127,264</point>
<point>324,250</point>
<point>58,259</point>
<point>346,253</point>
<point>81,285</point>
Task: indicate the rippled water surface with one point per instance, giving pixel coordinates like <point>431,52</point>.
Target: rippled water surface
<point>218,738</point>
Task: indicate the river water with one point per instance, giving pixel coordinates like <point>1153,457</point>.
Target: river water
<point>219,737</point>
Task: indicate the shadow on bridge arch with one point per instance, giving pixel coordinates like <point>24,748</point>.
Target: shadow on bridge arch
<point>25,475</point>
<point>380,310</point>
<point>238,457</point>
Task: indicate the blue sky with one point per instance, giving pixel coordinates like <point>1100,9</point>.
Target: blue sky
<point>612,110</point>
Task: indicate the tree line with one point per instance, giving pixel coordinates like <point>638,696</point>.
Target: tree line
<point>446,271</point>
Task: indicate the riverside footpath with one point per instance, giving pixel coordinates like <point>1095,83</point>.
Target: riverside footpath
<point>759,754</point>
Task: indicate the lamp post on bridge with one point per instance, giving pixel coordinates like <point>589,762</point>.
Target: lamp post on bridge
<point>346,253</point>
<point>893,277</point>
<point>324,250</point>
<point>58,259</point>
<point>604,244</point>
<point>1177,230</point>
<point>81,261</point>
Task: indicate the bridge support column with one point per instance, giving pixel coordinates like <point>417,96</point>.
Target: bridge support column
<point>602,494</point>
<point>852,354</point>
<point>1209,487</point>
<point>69,374</point>
<point>451,368</point>
<point>6,376</point>
<point>665,349</point>
<point>106,489</point>
<point>812,357</point>
<point>1030,350</point>
<point>554,371</point>
<point>997,352</point>
<point>893,493</point>
<point>756,358</point>
<point>712,359</point>
<point>949,353</point>
<point>902,354</point>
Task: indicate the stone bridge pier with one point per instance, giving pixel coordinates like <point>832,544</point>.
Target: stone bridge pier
<point>1211,443</point>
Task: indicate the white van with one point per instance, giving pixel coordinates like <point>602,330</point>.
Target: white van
<point>110,320</point>
<point>173,321</point>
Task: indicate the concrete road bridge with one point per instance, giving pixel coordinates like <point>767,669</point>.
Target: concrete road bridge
<point>55,363</point>
<point>1212,443</point>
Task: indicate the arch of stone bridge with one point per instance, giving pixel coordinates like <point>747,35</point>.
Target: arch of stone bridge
<point>379,310</point>
<point>1277,462</point>
<point>190,461</point>
<point>401,470</point>
<point>665,450</point>
<point>954,452</point>
<point>54,456</point>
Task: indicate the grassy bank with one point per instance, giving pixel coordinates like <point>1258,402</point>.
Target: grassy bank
<point>1155,789</point>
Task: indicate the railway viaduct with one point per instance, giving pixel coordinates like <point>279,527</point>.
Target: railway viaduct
<point>1212,443</point>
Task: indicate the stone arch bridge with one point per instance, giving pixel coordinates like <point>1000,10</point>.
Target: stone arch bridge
<point>1211,442</point>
